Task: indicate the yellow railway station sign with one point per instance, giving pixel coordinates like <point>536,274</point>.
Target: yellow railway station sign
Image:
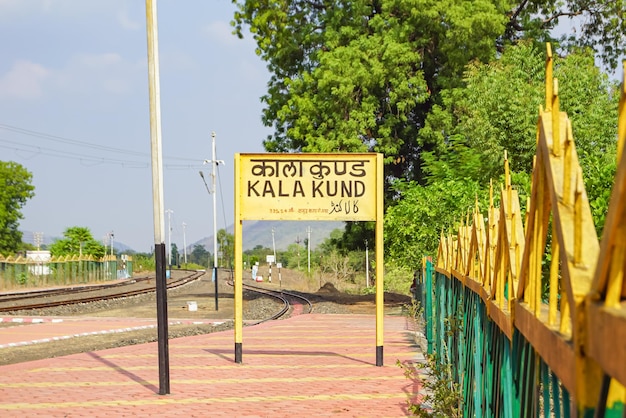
<point>308,187</point>
<point>319,187</point>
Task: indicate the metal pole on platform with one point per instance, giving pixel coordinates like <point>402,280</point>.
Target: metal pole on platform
<point>214,163</point>
<point>185,243</point>
<point>380,292</point>
<point>238,231</point>
<point>157,195</point>
<point>213,175</point>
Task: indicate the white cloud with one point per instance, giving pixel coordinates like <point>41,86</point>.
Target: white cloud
<point>86,74</point>
<point>23,81</point>
<point>83,74</point>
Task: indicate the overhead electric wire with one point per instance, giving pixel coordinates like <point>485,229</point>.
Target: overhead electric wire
<point>61,139</point>
<point>37,150</point>
<point>82,157</point>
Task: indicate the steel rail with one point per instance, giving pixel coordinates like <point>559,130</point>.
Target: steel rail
<point>281,295</point>
<point>75,301</point>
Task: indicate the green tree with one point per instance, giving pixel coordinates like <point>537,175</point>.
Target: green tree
<point>598,24</point>
<point>199,255</point>
<point>15,190</point>
<point>413,226</point>
<point>292,257</point>
<point>362,75</point>
<point>226,244</point>
<point>77,241</point>
<point>497,111</point>
<point>175,255</point>
<point>256,255</point>
<point>143,262</point>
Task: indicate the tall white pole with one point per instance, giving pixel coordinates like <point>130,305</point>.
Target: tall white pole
<point>185,242</point>
<point>157,194</point>
<point>213,176</point>
<point>169,237</point>
<point>214,163</point>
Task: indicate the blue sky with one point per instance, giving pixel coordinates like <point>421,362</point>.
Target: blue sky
<point>74,112</point>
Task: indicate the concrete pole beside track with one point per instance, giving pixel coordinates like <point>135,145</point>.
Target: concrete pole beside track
<point>214,163</point>
<point>157,195</point>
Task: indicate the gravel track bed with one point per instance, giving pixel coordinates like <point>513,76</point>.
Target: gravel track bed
<point>256,307</point>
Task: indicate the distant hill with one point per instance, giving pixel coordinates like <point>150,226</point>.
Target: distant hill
<point>254,233</point>
<point>285,233</point>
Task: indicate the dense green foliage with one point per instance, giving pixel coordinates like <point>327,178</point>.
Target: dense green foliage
<point>362,75</point>
<point>77,241</point>
<point>442,89</point>
<point>143,262</point>
<point>175,256</point>
<point>15,190</point>
<point>598,24</point>
<point>413,226</point>
<point>497,112</point>
<point>199,255</point>
<point>226,249</point>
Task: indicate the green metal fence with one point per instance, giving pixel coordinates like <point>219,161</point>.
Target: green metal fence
<point>23,273</point>
<point>498,377</point>
<point>515,349</point>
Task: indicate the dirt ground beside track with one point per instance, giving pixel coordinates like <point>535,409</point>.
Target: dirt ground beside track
<point>325,296</point>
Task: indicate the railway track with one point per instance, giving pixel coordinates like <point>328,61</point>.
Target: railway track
<point>291,301</point>
<point>73,295</point>
<point>78,295</point>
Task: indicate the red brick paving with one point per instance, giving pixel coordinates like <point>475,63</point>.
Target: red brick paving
<point>309,365</point>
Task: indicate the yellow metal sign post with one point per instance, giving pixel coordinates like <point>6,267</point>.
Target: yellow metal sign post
<point>309,187</point>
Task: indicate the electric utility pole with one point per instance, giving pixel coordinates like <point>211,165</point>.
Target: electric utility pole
<point>169,237</point>
<point>214,163</point>
<point>184,243</point>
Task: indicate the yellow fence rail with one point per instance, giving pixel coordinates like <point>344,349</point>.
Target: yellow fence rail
<point>579,330</point>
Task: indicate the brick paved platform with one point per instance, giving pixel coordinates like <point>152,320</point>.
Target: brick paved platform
<point>309,365</point>
<point>54,329</point>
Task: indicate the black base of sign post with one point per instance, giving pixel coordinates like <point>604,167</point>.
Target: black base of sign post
<point>162,331</point>
<point>238,353</point>
<point>379,355</point>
